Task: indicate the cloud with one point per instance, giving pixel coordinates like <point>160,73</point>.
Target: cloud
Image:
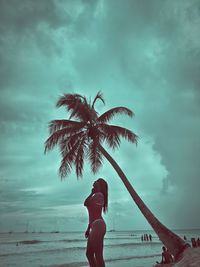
<point>142,56</point>
<point>28,15</point>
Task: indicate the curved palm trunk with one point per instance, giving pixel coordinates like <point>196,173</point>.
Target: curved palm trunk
<point>173,242</point>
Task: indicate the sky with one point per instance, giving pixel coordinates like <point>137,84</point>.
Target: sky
<point>143,55</point>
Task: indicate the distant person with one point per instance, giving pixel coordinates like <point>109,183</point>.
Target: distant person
<point>185,238</point>
<point>150,237</point>
<point>95,202</point>
<point>142,238</point>
<point>170,256</point>
<point>147,238</point>
<point>198,242</point>
<point>166,257</point>
<point>194,244</point>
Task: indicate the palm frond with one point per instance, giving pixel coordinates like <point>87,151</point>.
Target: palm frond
<point>110,136</point>
<point>66,144</point>
<point>80,158</point>
<point>113,133</point>
<point>68,159</point>
<point>53,140</point>
<point>105,117</point>
<point>56,125</point>
<point>78,106</point>
<point>61,134</point>
<point>98,96</point>
<point>95,156</point>
<point>81,111</point>
<point>69,100</point>
<point>65,167</point>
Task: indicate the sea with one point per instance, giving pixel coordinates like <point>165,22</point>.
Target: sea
<point>59,249</point>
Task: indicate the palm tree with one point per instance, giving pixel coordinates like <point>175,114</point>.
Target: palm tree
<point>83,137</point>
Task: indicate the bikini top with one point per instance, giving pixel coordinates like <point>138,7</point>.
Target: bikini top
<point>97,198</point>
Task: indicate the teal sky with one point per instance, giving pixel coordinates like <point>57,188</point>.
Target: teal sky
<point>144,55</point>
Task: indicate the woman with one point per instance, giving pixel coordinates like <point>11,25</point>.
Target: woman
<point>95,202</point>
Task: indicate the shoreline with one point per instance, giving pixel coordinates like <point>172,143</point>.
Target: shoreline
<point>121,249</point>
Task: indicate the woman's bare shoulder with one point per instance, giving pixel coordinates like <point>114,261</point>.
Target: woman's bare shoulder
<point>98,198</point>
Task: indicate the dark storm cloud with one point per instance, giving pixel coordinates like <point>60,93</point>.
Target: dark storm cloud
<point>155,47</point>
<point>27,15</point>
<point>121,38</point>
<point>24,27</point>
<point>22,109</point>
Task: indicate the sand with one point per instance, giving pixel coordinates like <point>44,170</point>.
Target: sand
<point>191,258</point>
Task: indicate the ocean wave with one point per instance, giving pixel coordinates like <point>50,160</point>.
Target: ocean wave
<point>132,244</point>
<point>120,238</point>
<point>26,242</point>
<point>79,264</point>
<point>73,264</point>
<point>74,248</point>
<point>71,240</point>
<point>29,242</point>
<point>133,257</point>
<point>48,251</point>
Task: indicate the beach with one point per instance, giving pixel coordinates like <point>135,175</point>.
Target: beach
<point>121,249</point>
<point>191,257</point>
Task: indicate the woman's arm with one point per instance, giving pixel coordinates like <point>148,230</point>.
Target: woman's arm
<point>87,231</point>
<point>162,258</point>
<point>86,203</point>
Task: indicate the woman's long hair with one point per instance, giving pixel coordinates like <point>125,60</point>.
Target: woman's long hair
<point>104,191</point>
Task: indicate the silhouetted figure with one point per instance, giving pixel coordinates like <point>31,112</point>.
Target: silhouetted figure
<point>198,242</point>
<point>170,256</point>
<point>185,238</point>
<point>142,238</point>
<point>95,202</point>
<point>147,238</point>
<point>166,257</point>
<point>150,237</point>
<point>194,244</point>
